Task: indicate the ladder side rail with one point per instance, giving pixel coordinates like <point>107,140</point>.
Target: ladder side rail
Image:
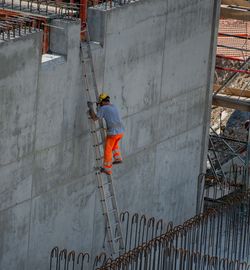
<point>117,217</point>
<point>97,153</point>
<point>101,191</point>
<point>117,229</point>
<point>94,77</point>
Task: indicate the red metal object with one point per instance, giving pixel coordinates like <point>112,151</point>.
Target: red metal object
<point>229,58</point>
<point>234,34</point>
<point>238,35</point>
<point>83,17</point>
<point>46,33</point>
<point>38,22</point>
<point>5,13</point>
<point>233,70</point>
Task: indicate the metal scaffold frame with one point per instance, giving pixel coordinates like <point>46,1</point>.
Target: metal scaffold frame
<point>43,11</point>
<point>228,170</point>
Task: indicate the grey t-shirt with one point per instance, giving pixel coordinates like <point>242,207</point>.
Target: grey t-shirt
<point>112,118</point>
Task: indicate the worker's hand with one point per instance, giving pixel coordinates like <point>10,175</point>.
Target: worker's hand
<point>90,113</point>
<point>90,105</point>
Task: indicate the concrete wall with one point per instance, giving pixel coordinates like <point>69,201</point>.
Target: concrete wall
<point>157,69</point>
<point>154,60</point>
<point>20,59</point>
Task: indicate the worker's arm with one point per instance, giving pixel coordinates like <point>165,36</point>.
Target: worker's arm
<point>92,113</point>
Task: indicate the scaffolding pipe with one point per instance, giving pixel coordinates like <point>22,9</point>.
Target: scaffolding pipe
<point>241,36</point>
<point>228,81</point>
<point>229,58</point>
<point>233,70</point>
<point>233,48</point>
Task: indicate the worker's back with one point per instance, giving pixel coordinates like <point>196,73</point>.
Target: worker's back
<point>113,121</point>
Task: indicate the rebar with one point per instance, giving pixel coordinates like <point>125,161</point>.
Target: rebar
<point>107,4</point>
<point>218,238</point>
<point>138,229</point>
<point>199,243</point>
<point>63,260</point>
<point>43,7</point>
<point>13,26</point>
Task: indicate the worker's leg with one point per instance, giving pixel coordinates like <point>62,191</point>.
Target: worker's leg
<point>116,150</point>
<point>107,163</point>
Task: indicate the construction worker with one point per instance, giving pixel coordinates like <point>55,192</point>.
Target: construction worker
<point>115,131</point>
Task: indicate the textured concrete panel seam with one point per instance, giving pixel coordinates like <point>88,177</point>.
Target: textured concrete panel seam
<point>156,105</point>
<point>14,205</point>
<point>161,141</point>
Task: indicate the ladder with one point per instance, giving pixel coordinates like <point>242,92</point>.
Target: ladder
<point>105,183</point>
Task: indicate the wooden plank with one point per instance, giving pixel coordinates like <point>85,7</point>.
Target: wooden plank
<point>240,3</point>
<point>229,13</point>
<point>233,103</point>
<point>233,91</point>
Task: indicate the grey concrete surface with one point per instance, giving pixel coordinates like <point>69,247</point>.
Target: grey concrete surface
<point>154,62</point>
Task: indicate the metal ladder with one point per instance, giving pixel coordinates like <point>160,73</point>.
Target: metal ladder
<point>105,184</point>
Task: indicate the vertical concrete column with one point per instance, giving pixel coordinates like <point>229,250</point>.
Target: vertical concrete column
<point>64,36</point>
<point>209,93</point>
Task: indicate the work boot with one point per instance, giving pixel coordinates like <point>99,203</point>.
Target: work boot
<point>117,161</point>
<point>103,170</point>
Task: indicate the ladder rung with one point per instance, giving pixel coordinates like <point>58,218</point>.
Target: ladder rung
<point>117,238</point>
<point>111,211</point>
<point>95,130</point>
<point>114,225</point>
<point>86,60</point>
<point>95,145</point>
<point>104,185</point>
<point>109,196</point>
<point>107,183</point>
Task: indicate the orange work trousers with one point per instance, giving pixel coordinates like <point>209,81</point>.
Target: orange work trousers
<point>111,150</point>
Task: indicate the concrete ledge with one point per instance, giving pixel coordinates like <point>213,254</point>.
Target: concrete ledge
<point>64,35</point>
<point>17,36</point>
<point>231,102</point>
<point>52,59</point>
<point>97,24</point>
<point>97,18</point>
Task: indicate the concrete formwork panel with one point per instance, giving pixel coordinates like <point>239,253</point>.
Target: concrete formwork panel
<point>156,70</point>
<point>14,227</point>
<point>141,131</point>
<point>135,180</point>
<point>180,114</point>
<point>63,217</point>
<point>19,72</point>
<point>61,93</point>
<point>16,182</point>
<point>135,45</point>
<point>176,170</point>
<point>63,163</point>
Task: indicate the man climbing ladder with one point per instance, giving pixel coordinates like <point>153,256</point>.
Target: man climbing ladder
<point>115,131</point>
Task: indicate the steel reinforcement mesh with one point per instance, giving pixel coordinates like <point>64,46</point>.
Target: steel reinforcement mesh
<point>232,45</point>
<point>217,239</point>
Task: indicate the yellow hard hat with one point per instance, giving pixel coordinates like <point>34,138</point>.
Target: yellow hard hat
<point>103,96</point>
